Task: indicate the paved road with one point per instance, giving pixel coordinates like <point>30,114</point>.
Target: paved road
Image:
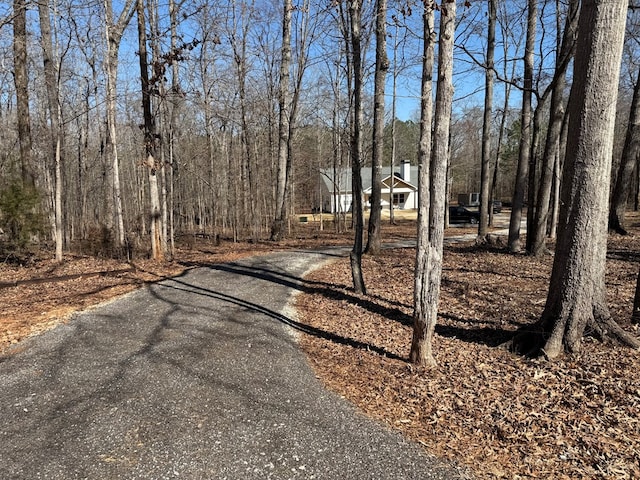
<point>197,377</point>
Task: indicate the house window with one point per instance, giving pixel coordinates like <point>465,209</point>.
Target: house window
<point>398,198</point>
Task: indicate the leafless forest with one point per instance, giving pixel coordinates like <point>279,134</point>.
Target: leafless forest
<point>129,125</point>
<point>82,158</point>
<point>135,130</point>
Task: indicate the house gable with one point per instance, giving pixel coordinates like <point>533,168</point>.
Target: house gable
<point>341,183</point>
<point>399,184</point>
<point>336,190</point>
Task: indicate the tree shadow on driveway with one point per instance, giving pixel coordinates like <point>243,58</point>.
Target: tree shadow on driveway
<point>262,269</point>
<point>275,277</point>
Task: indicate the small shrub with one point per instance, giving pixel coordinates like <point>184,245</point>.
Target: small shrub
<point>20,216</point>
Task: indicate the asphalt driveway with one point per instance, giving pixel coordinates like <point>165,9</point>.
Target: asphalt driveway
<point>197,377</point>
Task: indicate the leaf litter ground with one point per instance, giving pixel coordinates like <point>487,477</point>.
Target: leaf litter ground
<point>499,415</point>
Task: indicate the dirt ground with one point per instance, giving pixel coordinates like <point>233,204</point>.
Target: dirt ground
<point>500,415</point>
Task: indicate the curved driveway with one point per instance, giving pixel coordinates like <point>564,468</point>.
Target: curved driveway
<point>196,377</point>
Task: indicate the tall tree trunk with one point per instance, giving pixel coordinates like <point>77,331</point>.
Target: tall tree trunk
<point>357,210</point>
<point>21,81</point>
<point>305,35</point>
<point>432,208</point>
<point>336,157</point>
<point>382,65</point>
<point>282,180</point>
<point>485,200</point>
<point>114,32</point>
<point>552,143</point>
<point>176,104</point>
<point>51,68</point>
<point>159,115</point>
<point>248,193</point>
<point>628,162</point>
<point>150,139</point>
<point>338,129</point>
<point>394,102</point>
<point>524,155</point>
<point>557,178</point>
<point>576,297</point>
<point>501,130</point>
<point>83,162</point>
<point>532,187</point>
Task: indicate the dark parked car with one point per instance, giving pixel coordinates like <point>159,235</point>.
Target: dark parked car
<point>497,206</point>
<point>461,214</point>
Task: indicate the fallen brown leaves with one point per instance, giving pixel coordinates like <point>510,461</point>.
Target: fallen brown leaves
<point>498,414</point>
<point>501,415</point>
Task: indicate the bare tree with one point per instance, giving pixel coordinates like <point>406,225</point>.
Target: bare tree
<point>423,319</point>
<point>503,116</point>
<point>357,210</point>
<point>432,208</point>
<point>114,33</point>
<point>525,132</point>
<point>552,144</point>
<point>51,75</point>
<point>485,201</point>
<point>216,126</point>
<point>306,32</point>
<point>176,96</point>
<point>382,65</point>
<point>557,179</point>
<point>239,45</point>
<point>394,102</point>
<point>576,298</point>
<point>21,80</point>
<point>337,148</point>
<point>342,118</point>
<point>150,137</point>
<point>284,159</point>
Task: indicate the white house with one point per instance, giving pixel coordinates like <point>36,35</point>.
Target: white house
<point>337,195</point>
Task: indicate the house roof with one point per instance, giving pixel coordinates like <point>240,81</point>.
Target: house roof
<point>343,177</point>
<point>399,185</point>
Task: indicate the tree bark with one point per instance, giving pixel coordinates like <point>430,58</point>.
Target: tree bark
<point>485,200</point>
<point>576,297</point>
<point>160,114</point>
<point>282,180</point>
<point>114,32</point>
<point>176,107</point>
<point>21,81</point>
<point>432,182</point>
<point>382,65</point>
<point>357,210</point>
<point>150,139</point>
<point>51,68</point>
<point>522,172</point>
<point>552,143</point>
